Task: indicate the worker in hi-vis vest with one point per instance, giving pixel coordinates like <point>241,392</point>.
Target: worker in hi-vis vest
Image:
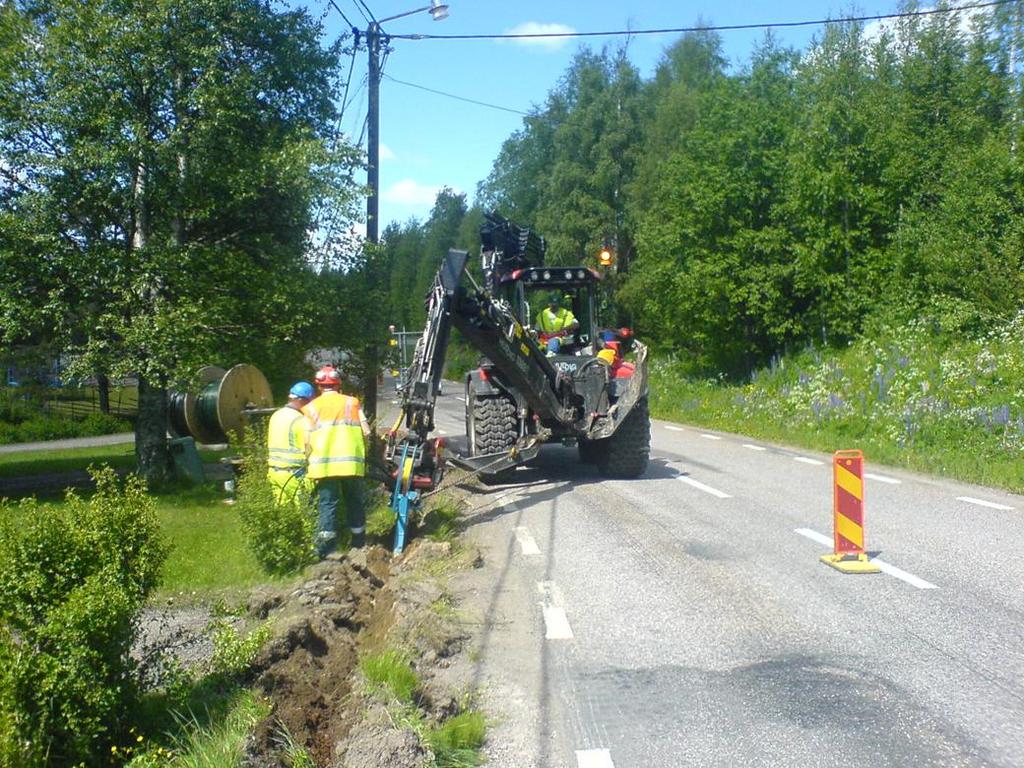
<point>287,445</point>
<point>555,322</point>
<point>337,459</point>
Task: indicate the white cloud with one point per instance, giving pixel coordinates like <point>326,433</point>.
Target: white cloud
<point>540,28</point>
<point>410,192</point>
<point>873,29</point>
<point>386,153</point>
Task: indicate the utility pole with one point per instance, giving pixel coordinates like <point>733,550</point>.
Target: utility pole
<point>438,11</point>
<point>372,198</point>
<point>373,135</point>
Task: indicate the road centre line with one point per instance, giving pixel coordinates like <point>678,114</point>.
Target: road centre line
<point>882,478</point>
<point>701,487</point>
<point>556,623</point>
<point>983,503</point>
<point>526,541</point>
<point>709,437</point>
<point>594,758</point>
<point>754,447</point>
<point>883,566</point>
<point>674,429</point>
<point>806,460</point>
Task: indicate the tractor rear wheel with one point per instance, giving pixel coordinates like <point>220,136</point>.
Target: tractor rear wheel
<point>492,426</point>
<point>625,454</point>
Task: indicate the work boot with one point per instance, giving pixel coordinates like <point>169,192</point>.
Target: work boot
<point>325,543</point>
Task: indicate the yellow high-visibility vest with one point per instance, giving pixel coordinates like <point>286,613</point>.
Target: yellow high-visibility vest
<point>336,441</point>
<point>553,322</point>
<point>286,440</point>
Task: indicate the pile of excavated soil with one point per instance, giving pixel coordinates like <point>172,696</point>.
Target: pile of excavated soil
<point>362,601</point>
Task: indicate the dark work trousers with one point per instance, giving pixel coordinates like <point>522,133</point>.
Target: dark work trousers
<point>330,492</point>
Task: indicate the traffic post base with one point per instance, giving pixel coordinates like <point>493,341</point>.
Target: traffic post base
<point>850,563</point>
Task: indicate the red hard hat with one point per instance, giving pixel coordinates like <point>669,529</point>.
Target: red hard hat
<point>328,376</point>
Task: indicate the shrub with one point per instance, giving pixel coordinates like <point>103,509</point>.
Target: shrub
<point>103,424</point>
<point>234,653</point>
<point>280,536</point>
<point>23,423</point>
<point>73,578</point>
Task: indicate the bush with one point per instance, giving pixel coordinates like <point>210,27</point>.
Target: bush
<point>103,424</point>
<point>280,536</point>
<point>41,427</point>
<point>73,579</point>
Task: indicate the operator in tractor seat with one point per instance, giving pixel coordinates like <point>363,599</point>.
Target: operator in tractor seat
<point>555,322</point>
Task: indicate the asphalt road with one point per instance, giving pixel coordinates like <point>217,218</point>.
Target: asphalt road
<point>684,618</point>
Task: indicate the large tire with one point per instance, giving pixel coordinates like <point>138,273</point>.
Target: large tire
<point>626,452</point>
<point>491,427</point>
<point>491,424</point>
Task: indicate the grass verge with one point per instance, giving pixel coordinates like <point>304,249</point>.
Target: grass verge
<point>941,394</point>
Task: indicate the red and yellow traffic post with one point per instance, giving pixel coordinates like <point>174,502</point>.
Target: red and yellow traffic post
<point>849,555</point>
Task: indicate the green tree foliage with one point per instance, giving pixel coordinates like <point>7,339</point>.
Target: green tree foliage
<point>73,579</point>
<point>798,198</point>
<point>161,165</point>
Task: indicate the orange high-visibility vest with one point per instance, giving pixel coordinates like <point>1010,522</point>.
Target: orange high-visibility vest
<point>336,441</point>
<point>286,440</point>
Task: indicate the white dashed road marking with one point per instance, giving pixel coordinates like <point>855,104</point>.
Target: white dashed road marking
<point>701,487</point>
<point>526,541</point>
<point>982,502</point>
<point>805,460</point>
<point>674,429</point>
<point>881,478</point>
<point>709,437</point>
<point>556,623</point>
<point>594,758</point>
<point>885,567</point>
<point>754,447</point>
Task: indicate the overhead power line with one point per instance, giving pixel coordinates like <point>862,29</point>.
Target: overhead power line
<point>458,98</point>
<point>341,13</point>
<point>710,27</point>
<point>367,9</point>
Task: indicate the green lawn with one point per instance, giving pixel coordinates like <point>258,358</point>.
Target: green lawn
<point>43,462</point>
<point>119,456</point>
<point>209,555</point>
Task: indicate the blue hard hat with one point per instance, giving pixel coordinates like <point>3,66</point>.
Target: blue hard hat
<point>301,389</point>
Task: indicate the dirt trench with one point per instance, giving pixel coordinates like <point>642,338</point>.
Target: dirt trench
<point>360,602</point>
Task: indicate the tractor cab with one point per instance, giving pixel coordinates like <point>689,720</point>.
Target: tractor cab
<point>532,291</point>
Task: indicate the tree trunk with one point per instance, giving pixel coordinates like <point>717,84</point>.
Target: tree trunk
<point>152,458</point>
<point>151,454</point>
<point>103,391</point>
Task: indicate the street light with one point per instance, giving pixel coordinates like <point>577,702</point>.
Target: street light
<point>438,11</point>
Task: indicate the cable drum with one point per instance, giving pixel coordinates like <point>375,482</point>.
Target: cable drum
<point>217,411</point>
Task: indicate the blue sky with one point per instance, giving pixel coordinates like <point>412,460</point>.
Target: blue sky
<point>430,141</point>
